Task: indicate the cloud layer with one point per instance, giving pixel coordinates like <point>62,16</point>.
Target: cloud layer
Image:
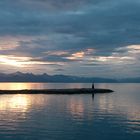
<point>91,37</point>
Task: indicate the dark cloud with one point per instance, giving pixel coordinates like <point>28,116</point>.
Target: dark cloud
<point>113,24</point>
<point>59,70</point>
<point>58,4</point>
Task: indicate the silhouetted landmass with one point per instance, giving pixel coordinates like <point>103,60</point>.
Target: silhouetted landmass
<point>30,77</point>
<point>57,91</point>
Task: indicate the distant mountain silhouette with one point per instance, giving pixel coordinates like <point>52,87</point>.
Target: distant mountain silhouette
<point>30,77</point>
<point>130,80</point>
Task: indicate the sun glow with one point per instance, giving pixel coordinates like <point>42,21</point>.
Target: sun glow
<point>13,60</point>
<point>23,61</point>
<point>7,61</point>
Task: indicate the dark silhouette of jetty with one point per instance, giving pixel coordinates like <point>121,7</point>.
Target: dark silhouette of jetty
<point>58,91</point>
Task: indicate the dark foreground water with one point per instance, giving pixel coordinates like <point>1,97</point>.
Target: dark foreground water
<point>114,116</point>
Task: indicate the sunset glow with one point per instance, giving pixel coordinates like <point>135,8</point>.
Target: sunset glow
<point>10,61</point>
<point>78,54</point>
<point>69,69</point>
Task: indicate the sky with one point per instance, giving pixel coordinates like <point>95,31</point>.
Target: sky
<point>98,38</point>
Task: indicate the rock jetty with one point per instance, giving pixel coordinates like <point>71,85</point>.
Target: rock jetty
<point>57,91</point>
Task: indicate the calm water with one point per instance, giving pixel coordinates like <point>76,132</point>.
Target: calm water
<point>114,116</point>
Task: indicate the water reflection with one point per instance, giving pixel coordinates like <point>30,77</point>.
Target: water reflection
<point>80,107</point>
<point>20,102</point>
<point>17,101</point>
<point>76,108</point>
<point>114,104</point>
<point>19,86</point>
<point>121,107</point>
<point>93,97</point>
<point>110,116</point>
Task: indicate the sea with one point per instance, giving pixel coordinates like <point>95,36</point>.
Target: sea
<point>110,116</point>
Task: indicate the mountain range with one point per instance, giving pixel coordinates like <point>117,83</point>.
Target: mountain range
<point>30,77</point>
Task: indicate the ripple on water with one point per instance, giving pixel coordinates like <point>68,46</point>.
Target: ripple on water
<point>58,117</point>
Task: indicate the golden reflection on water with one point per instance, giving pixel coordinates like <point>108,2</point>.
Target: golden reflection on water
<point>20,102</point>
<point>76,108</point>
<point>20,86</point>
<point>16,107</point>
<point>15,86</point>
<point>80,106</point>
<point>13,107</point>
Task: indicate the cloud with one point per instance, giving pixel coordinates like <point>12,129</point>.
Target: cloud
<point>91,32</point>
<point>57,4</point>
<point>60,70</point>
<point>104,25</point>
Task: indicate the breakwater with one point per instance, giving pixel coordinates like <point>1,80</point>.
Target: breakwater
<point>57,91</point>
